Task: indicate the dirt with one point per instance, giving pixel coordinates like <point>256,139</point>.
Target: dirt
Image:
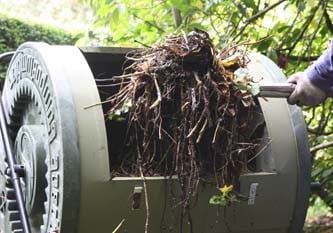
<point>189,108</point>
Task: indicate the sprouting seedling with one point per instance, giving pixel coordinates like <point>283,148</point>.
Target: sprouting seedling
<point>226,196</point>
<point>117,114</point>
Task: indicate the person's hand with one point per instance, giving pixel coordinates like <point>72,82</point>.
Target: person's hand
<point>305,92</point>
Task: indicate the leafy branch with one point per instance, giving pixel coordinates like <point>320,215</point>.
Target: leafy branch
<point>263,12</point>
<point>303,30</point>
<point>321,146</point>
<point>326,16</point>
<point>150,23</point>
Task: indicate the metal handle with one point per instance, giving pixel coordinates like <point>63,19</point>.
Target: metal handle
<point>276,90</point>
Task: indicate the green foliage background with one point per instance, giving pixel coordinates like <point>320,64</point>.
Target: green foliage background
<point>14,32</point>
<point>292,33</point>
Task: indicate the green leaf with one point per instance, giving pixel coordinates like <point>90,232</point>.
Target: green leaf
<point>301,5</point>
<point>316,171</point>
<point>181,5</point>
<point>215,200</point>
<point>327,173</point>
<point>250,3</point>
<point>115,16</point>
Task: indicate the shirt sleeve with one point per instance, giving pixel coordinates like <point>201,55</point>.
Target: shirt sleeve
<point>321,71</point>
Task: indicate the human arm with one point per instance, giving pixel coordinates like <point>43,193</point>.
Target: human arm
<point>315,83</point>
<point>320,72</point>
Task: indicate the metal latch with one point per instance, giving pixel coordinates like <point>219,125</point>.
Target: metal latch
<point>136,197</point>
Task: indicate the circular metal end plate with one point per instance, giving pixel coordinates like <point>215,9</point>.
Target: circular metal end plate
<point>290,150</point>
<point>45,94</point>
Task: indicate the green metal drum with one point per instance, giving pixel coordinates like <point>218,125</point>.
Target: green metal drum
<point>65,147</point>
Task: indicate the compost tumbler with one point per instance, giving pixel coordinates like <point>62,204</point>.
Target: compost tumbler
<point>60,144</point>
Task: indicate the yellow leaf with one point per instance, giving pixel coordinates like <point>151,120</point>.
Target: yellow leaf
<point>226,188</point>
<point>198,4</point>
<point>232,60</point>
